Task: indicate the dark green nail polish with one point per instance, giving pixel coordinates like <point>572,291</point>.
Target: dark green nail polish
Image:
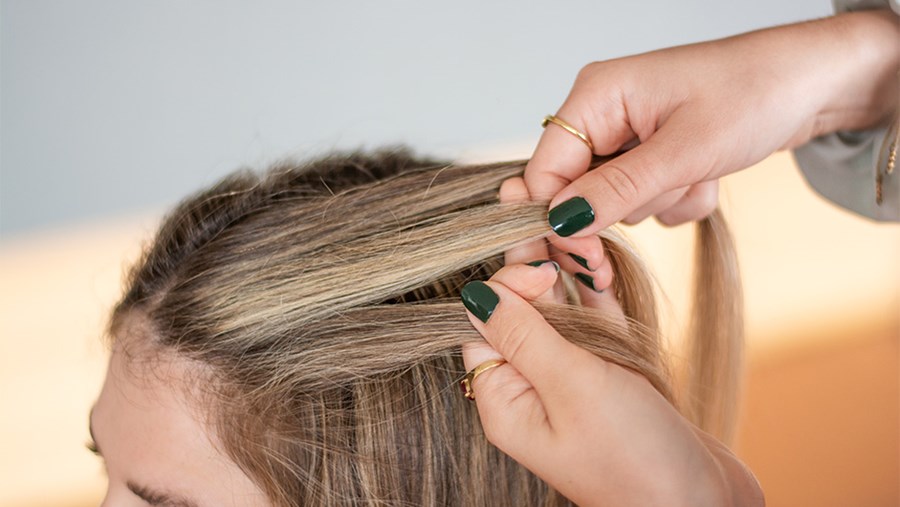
<point>588,281</point>
<point>571,216</point>
<point>540,263</point>
<point>581,261</point>
<point>479,299</point>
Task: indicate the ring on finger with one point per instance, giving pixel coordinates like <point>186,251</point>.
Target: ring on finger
<point>466,383</point>
<point>569,128</point>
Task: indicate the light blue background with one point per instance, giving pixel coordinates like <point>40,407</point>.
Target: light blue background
<point>112,107</point>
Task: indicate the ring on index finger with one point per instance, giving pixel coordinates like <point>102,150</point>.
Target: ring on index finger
<point>569,128</point>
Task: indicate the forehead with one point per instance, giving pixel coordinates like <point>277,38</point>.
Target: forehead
<point>151,430</point>
<point>148,400</point>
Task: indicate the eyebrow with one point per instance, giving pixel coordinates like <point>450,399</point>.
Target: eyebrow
<point>146,494</point>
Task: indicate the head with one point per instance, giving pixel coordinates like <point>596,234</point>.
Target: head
<point>294,339</point>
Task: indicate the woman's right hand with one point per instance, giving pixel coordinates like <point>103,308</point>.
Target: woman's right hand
<point>598,433</point>
<point>689,115</point>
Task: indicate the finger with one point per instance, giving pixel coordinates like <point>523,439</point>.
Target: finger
<point>511,395</point>
<point>589,249</point>
<point>530,282</point>
<point>560,292</point>
<point>594,281</point>
<point>585,258</point>
<point>661,203</point>
<point>511,191</point>
<point>610,192</point>
<point>699,201</point>
<point>561,157</point>
<point>601,297</point>
<point>511,413</point>
<point>500,311</point>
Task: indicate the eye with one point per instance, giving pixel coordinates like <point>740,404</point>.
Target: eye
<point>91,446</point>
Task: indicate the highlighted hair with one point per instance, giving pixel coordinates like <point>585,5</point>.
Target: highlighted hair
<point>322,302</point>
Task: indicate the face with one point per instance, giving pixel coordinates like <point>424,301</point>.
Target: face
<point>155,447</point>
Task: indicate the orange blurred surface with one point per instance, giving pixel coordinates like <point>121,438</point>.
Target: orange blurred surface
<point>821,425</point>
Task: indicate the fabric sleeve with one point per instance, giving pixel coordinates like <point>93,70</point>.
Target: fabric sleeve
<point>845,167</point>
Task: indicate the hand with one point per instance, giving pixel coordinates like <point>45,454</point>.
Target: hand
<point>598,433</point>
<point>695,113</point>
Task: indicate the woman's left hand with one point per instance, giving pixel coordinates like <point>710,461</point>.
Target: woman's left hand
<point>596,432</point>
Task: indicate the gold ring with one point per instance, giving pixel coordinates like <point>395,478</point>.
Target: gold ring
<point>466,383</point>
<point>572,130</point>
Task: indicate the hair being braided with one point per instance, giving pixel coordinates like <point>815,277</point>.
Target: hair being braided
<point>322,302</point>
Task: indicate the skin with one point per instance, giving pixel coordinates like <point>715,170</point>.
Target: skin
<point>598,433</point>
<point>683,117</point>
<point>154,444</point>
<point>594,431</point>
<point>689,115</point>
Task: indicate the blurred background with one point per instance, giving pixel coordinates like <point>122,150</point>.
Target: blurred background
<point>111,111</point>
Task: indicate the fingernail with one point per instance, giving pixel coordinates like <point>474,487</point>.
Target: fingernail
<point>540,263</point>
<point>581,261</point>
<point>588,281</point>
<point>479,299</point>
<point>571,216</point>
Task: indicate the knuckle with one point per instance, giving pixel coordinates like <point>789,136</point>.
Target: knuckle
<point>625,185</point>
<point>595,249</point>
<point>513,333</point>
<point>695,206</point>
<point>632,220</point>
<point>514,188</point>
<point>708,200</point>
<point>669,219</point>
<point>532,286</point>
<point>587,72</point>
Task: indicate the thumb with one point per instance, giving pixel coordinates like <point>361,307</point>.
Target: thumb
<point>501,312</point>
<point>609,193</point>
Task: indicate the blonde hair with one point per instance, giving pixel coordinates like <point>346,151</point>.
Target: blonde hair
<point>322,301</point>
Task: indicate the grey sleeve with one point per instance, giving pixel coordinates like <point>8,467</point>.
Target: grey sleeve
<point>845,166</point>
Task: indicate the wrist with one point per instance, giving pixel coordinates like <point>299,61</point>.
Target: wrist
<point>863,89</point>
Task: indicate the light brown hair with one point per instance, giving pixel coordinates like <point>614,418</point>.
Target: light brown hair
<point>321,301</point>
